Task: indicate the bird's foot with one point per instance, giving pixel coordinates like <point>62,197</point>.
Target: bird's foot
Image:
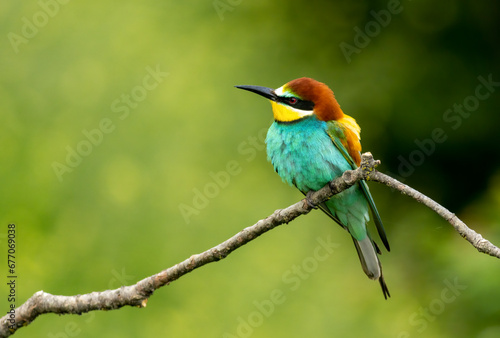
<point>309,201</point>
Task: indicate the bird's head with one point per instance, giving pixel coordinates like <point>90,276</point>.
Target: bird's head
<point>300,98</point>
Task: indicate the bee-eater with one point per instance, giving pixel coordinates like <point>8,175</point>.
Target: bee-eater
<point>312,142</point>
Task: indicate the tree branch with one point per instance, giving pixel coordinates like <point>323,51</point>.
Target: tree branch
<point>139,293</point>
<point>474,238</point>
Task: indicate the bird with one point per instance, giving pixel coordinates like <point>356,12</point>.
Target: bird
<point>311,142</point>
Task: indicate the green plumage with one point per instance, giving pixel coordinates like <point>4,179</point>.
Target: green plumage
<point>305,156</point>
<point>308,153</point>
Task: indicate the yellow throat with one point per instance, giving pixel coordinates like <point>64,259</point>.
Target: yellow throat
<point>283,113</point>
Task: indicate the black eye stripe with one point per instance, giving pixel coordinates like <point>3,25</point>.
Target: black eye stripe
<point>299,104</point>
<point>304,105</point>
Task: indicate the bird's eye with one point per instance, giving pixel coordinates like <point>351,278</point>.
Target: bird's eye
<point>293,100</point>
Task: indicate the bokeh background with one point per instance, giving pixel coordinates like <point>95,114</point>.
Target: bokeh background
<point>115,217</point>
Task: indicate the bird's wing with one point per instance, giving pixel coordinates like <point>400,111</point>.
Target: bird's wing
<point>337,134</point>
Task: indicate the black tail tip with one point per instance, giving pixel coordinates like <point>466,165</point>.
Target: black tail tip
<point>384,287</point>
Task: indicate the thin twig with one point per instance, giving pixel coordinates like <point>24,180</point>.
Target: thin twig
<point>138,294</point>
<point>474,238</point>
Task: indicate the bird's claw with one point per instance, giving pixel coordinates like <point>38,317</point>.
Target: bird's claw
<point>309,201</point>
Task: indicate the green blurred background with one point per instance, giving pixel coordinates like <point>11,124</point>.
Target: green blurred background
<point>115,218</point>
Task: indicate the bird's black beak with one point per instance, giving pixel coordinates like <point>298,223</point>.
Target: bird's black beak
<point>268,93</point>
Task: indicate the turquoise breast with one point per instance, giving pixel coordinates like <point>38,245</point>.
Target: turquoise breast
<point>303,154</point>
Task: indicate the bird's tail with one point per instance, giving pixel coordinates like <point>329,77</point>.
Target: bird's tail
<point>367,253</point>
